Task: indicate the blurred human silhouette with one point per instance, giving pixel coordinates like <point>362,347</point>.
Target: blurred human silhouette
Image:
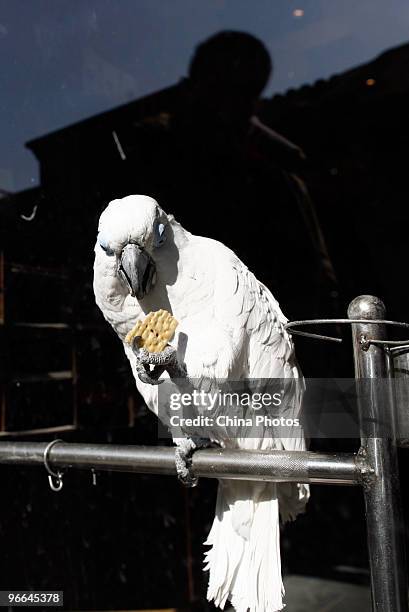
<point>224,174</point>
<point>227,73</point>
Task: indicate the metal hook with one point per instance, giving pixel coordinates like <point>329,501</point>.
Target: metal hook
<point>58,484</point>
<point>94,477</point>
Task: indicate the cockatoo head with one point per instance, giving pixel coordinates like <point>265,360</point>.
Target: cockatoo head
<point>129,230</point>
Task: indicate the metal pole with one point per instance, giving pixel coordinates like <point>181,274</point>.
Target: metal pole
<point>274,466</point>
<point>381,489</point>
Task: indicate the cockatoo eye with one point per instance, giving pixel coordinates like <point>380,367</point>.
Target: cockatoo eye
<point>160,236</point>
<point>103,243</point>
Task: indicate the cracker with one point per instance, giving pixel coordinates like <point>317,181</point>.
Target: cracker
<point>154,331</point>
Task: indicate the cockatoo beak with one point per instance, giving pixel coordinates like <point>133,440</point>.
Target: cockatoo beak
<point>137,270</point>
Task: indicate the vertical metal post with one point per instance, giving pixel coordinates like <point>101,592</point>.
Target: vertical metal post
<point>381,488</point>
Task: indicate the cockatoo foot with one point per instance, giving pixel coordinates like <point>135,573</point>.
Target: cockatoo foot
<point>165,360</point>
<point>183,458</point>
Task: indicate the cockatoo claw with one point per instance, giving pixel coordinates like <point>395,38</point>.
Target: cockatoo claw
<point>165,360</point>
<point>183,458</point>
<point>150,377</point>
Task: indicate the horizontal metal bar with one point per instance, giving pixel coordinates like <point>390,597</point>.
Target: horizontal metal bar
<point>37,432</point>
<point>274,466</point>
<point>291,325</point>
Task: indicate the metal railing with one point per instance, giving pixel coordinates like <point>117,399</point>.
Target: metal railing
<point>274,466</point>
<point>374,467</point>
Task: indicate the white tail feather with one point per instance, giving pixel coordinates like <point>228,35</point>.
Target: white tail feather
<point>244,559</point>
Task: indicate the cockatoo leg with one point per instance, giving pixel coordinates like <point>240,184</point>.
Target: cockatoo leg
<point>165,360</point>
<point>183,458</point>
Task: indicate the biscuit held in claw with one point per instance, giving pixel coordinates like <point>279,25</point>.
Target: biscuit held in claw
<point>154,332</point>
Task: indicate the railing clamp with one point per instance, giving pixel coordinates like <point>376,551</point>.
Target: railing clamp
<point>366,471</point>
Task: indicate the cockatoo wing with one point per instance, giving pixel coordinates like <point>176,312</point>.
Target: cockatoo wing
<point>234,328</point>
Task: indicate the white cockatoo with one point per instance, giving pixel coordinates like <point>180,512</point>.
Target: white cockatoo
<point>230,327</point>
